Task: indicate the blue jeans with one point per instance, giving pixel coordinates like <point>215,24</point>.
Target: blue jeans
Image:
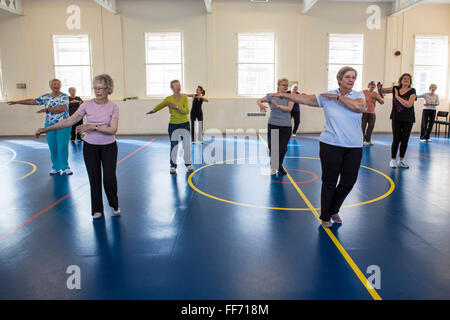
<point>175,132</point>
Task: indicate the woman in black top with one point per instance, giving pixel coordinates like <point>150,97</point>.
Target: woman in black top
<point>295,113</point>
<point>74,104</point>
<point>197,113</point>
<point>402,116</point>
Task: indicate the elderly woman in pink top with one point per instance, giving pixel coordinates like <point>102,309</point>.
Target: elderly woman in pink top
<point>100,147</point>
<point>369,117</point>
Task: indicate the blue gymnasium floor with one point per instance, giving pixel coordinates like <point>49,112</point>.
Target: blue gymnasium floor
<point>173,242</point>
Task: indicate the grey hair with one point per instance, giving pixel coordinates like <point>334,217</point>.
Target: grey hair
<point>53,80</point>
<point>343,71</point>
<point>172,82</point>
<point>106,78</point>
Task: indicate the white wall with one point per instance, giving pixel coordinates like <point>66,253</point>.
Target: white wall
<point>210,53</point>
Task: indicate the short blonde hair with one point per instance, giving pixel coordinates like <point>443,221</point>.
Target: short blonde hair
<point>433,84</point>
<point>282,80</point>
<point>343,71</point>
<point>109,82</point>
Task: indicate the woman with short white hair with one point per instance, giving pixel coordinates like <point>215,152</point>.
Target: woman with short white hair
<point>428,113</point>
<point>340,143</point>
<point>56,105</point>
<point>100,146</point>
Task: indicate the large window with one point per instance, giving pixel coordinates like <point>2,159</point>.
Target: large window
<point>73,63</point>
<point>345,50</point>
<point>256,63</point>
<point>430,63</point>
<point>164,61</point>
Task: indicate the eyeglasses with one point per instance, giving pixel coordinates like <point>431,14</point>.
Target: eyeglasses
<point>99,88</point>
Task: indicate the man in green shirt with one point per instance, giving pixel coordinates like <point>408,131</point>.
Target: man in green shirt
<point>178,125</point>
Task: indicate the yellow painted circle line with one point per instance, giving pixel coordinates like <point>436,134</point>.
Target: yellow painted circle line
<point>191,184</point>
<point>29,173</point>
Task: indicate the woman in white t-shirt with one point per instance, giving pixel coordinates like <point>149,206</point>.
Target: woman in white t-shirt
<point>428,113</point>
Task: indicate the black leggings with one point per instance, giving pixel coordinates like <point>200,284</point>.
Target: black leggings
<point>428,116</point>
<point>97,157</point>
<point>337,163</point>
<point>400,136</point>
<point>284,135</point>
<point>296,116</point>
<point>73,133</point>
<point>197,116</point>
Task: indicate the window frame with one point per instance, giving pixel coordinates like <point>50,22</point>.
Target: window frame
<point>443,94</point>
<point>162,95</point>
<point>249,95</point>
<point>90,65</point>
<point>360,74</point>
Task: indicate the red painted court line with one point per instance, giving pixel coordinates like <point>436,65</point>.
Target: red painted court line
<point>418,155</point>
<point>3,237</point>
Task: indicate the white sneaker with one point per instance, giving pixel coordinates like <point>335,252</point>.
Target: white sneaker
<point>97,215</point>
<point>393,164</point>
<point>423,140</point>
<point>67,172</point>
<point>293,136</point>
<point>336,218</point>
<point>53,172</point>
<point>190,168</point>
<point>173,170</point>
<point>428,140</point>
<point>115,212</point>
<point>402,163</point>
<point>327,224</point>
<point>273,171</point>
<point>365,143</point>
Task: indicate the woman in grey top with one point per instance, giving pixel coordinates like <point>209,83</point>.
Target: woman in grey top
<point>279,124</point>
<point>428,113</point>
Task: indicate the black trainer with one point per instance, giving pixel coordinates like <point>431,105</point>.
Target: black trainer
<point>282,171</point>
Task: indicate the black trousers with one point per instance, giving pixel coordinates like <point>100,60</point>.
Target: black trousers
<point>97,157</point>
<point>368,123</point>
<point>296,116</point>
<point>284,135</point>
<point>400,136</point>
<point>428,117</point>
<point>337,163</point>
<point>197,116</point>
<point>73,132</point>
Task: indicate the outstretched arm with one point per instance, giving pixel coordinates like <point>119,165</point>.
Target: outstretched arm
<point>158,107</point>
<point>27,102</point>
<point>356,105</point>
<point>60,125</point>
<point>307,99</point>
<point>382,90</point>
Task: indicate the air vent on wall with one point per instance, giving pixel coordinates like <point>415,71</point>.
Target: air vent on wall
<point>256,114</point>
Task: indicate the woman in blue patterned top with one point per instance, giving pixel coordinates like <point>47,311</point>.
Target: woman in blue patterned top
<point>56,108</point>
